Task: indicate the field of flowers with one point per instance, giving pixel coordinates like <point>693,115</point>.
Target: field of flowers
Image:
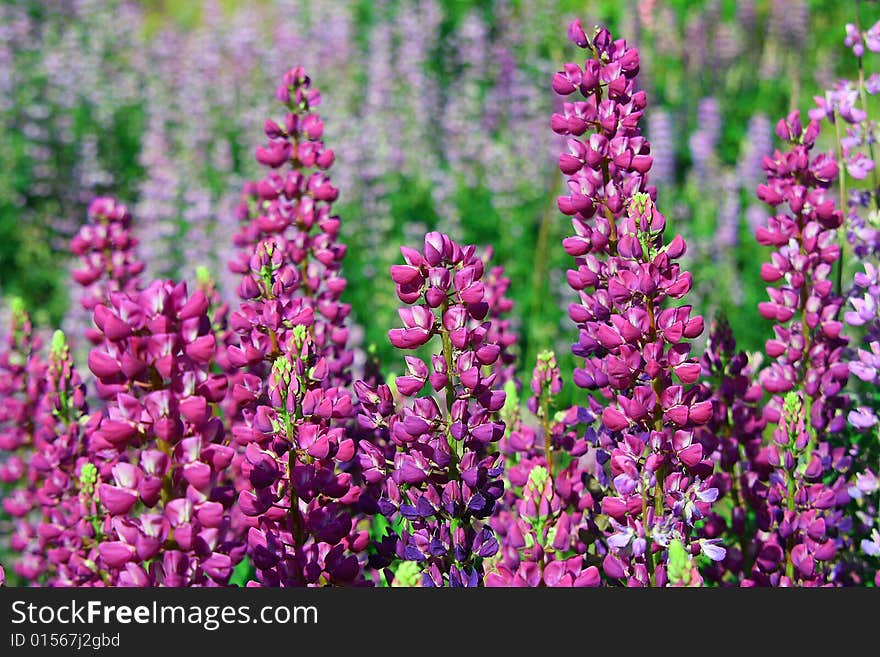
<point>438,293</point>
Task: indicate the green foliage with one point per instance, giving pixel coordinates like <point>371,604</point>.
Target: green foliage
<point>243,573</point>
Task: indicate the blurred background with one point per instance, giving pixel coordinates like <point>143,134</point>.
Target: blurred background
<point>438,111</point>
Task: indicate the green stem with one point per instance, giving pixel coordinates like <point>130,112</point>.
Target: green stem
<point>293,512</point>
<point>548,440</point>
<point>838,284</point>
<point>789,564</point>
<point>874,180</point>
<point>450,395</point>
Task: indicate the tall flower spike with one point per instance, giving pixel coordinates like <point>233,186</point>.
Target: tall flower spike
<point>635,349</point>
<point>106,247</point>
<point>443,480</point>
<point>503,332</point>
<point>22,380</point>
<point>290,259</point>
<point>807,345</point>
<point>290,352</point>
<point>160,450</point>
<point>547,509</point>
<point>807,365</point>
<point>66,531</point>
<point>297,496</point>
<point>865,313</point>
<point>846,106</point>
<point>798,513</point>
<point>732,438</point>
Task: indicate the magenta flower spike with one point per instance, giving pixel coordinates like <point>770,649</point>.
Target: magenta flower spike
<point>106,248</point>
<point>635,347</point>
<point>440,475</point>
<point>22,381</point>
<point>289,363</point>
<point>298,500</point>
<point>161,454</point>
<point>807,345</point>
<point>64,476</point>
<point>503,329</point>
<point>806,366</point>
<point>733,440</point>
<point>547,509</point>
<point>290,255</point>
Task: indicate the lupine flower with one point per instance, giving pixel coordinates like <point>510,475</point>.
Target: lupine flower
<point>704,142</point>
<point>660,129</point>
<point>682,570</point>
<point>159,449</point>
<point>757,144</point>
<point>443,479</point>
<point>105,248</point>
<point>211,436</point>
<point>732,438</point>
<point>547,508</point>
<point>22,380</point>
<point>62,469</point>
<point>865,365</point>
<point>289,360</point>
<point>635,351</point>
<point>808,368</point>
<point>302,531</point>
<point>542,536</point>
<point>807,345</point>
<point>846,103</point>
<point>503,332</point>
<point>291,257</point>
<point>799,510</point>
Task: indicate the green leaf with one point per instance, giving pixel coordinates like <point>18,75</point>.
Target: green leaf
<point>243,573</point>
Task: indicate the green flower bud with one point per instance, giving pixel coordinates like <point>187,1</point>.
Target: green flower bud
<point>679,565</point>
<point>203,275</point>
<point>407,574</point>
<point>58,348</point>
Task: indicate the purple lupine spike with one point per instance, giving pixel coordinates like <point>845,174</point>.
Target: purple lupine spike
<point>704,142</point>
<point>287,226</point>
<point>756,145</point>
<point>846,105</point>
<point>159,449</point>
<point>661,131</point>
<point>61,465</point>
<point>106,249</point>
<point>502,332</point>
<point>22,380</point>
<point>732,438</point>
<point>807,345</point>
<point>797,511</point>
<point>299,501</point>
<point>806,367</point>
<point>289,361</point>
<point>635,351</point>
<point>547,509</point>
<point>442,477</point>
<point>865,365</point>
